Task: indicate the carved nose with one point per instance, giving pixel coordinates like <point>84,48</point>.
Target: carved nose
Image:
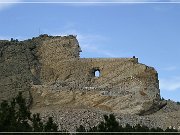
<point>80,50</point>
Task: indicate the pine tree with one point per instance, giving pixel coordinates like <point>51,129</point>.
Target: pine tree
<point>37,123</point>
<point>16,117</point>
<point>23,115</point>
<point>50,126</point>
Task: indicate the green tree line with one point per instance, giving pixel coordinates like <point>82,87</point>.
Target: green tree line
<point>16,117</point>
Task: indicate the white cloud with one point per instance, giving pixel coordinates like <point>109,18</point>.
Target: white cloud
<point>7,3</point>
<point>170,68</point>
<point>90,43</point>
<point>4,38</point>
<point>170,84</point>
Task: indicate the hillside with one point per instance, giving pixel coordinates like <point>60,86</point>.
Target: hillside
<point>56,81</point>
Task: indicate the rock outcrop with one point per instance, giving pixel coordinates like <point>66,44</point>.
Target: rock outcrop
<point>51,74</point>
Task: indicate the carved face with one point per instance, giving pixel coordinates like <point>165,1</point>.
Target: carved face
<point>77,49</point>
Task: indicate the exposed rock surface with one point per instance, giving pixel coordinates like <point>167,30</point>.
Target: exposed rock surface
<point>51,75</point>
<point>70,119</point>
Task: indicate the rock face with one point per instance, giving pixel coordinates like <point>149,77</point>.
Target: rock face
<point>49,69</point>
<point>15,72</point>
<point>50,73</point>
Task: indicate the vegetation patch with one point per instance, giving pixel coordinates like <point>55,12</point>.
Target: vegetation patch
<point>16,117</point>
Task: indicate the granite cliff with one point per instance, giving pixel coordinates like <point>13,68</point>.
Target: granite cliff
<point>56,81</point>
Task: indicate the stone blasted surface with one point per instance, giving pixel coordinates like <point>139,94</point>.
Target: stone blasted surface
<point>55,80</point>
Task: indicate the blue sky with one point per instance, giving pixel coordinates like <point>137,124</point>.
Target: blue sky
<point>148,31</point>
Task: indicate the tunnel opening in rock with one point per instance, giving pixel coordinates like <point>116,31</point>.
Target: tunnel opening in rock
<point>96,72</point>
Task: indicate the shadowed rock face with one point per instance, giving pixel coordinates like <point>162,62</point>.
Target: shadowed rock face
<point>15,72</point>
<point>49,70</point>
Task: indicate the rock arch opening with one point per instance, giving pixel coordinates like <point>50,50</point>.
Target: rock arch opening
<point>96,72</point>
